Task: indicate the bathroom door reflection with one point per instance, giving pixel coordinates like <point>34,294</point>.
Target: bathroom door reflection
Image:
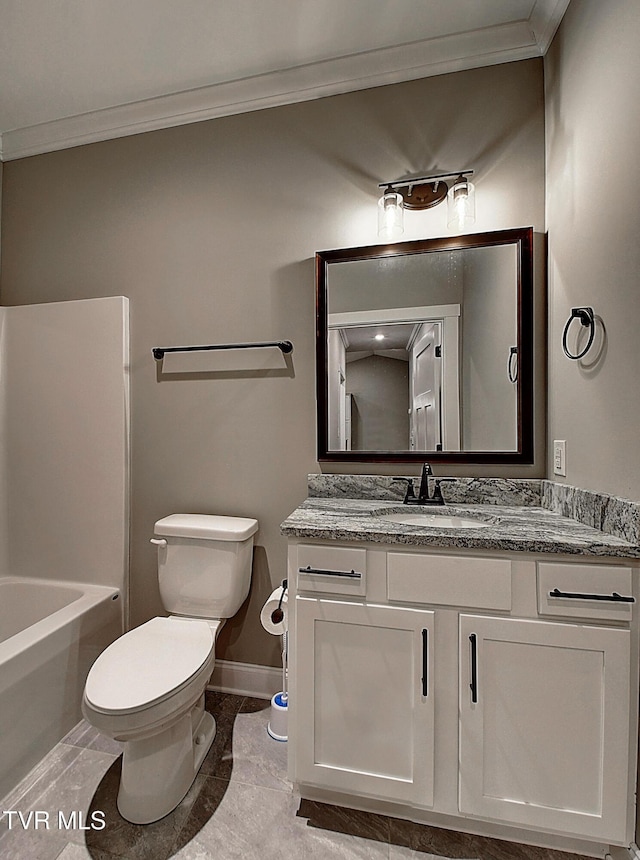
<point>425,382</point>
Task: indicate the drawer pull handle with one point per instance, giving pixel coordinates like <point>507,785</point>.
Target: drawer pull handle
<point>350,574</point>
<point>473,639</point>
<point>614,597</point>
<point>425,662</point>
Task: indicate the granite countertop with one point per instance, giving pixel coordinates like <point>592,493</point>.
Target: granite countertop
<point>514,528</point>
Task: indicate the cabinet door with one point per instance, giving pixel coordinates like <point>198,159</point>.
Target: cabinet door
<point>544,725</point>
<point>364,699</point>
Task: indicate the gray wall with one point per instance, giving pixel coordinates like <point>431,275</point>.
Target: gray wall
<point>210,230</point>
<point>396,282</point>
<point>592,77</point>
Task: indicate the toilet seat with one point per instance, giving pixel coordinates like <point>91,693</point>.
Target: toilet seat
<point>148,665</point>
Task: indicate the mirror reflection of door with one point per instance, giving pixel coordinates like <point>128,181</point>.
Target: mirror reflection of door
<point>426,363</point>
<point>343,440</point>
<point>337,392</point>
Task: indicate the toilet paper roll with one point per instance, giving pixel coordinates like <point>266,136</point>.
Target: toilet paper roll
<point>273,601</point>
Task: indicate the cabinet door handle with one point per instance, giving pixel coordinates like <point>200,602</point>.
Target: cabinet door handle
<point>425,662</point>
<point>614,597</point>
<point>351,574</point>
<point>474,668</point>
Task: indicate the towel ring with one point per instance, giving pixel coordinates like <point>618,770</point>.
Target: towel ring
<point>512,366</point>
<point>586,317</point>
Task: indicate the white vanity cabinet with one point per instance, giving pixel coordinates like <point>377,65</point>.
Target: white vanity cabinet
<point>489,688</point>
<point>363,705</point>
<point>363,674</point>
<point>544,724</point>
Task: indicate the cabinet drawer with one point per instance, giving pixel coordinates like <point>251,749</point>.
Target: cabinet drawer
<point>332,570</point>
<point>585,590</point>
<point>447,580</point>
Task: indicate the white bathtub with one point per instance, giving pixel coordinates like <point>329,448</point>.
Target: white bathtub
<point>50,634</point>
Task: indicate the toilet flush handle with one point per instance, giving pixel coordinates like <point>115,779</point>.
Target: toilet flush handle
<point>158,541</point>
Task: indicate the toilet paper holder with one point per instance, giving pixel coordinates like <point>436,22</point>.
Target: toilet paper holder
<point>278,615</point>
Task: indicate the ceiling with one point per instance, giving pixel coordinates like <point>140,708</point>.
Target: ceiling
<point>78,71</point>
<point>396,336</point>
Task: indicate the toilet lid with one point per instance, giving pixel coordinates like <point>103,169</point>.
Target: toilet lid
<point>206,527</point>
<point>148,664</point>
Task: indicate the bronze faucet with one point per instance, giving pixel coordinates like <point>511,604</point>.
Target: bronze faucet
<point>423,497</point>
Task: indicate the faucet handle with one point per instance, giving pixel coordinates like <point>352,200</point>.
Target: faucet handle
<point>437,492</point>
<point>410,494</point>
<point>437,497</point>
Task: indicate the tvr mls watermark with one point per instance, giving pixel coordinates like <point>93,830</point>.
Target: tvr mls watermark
<point>41,819</point>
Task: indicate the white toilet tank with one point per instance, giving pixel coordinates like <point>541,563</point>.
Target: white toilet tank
<point>204,563</point>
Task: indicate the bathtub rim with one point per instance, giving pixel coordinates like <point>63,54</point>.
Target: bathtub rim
<point>91,595</point>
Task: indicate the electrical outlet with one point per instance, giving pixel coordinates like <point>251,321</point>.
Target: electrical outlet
<point>560,457</point>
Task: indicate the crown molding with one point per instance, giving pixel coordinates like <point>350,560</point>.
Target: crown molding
<point>489,46</point>
<point>545,19</point>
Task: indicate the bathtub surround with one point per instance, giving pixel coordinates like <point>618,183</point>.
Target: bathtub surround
<point>64,495</point>
<point>64,401</point>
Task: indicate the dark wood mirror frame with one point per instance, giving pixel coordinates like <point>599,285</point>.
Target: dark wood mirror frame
<point>522,238</point>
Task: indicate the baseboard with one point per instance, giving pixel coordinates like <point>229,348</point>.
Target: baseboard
<point>246,679</point>
<point>630,853</point>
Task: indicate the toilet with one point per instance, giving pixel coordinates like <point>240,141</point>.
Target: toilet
<point>147,688</point>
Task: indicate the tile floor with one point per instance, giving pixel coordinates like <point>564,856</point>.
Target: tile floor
<point>240,806</point>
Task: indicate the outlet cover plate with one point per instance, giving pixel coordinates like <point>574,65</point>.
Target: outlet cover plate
<point>560,457</point>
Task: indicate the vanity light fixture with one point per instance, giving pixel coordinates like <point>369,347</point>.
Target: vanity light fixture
<point>424,192</point>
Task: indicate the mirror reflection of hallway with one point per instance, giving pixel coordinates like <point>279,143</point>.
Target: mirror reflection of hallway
<point>394,379</point>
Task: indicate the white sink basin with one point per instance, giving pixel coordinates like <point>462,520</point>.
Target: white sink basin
<point>443,521</point>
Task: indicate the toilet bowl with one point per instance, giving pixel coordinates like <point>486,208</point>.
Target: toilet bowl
<point>147,688</point>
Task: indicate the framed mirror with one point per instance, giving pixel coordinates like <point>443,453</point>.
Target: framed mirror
<point>424,350</point>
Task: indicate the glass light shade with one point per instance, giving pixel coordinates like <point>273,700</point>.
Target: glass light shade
<point>461,204</point>
<point>390,215</point>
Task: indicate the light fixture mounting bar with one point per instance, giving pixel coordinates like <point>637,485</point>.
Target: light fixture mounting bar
<point>420,180</point>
